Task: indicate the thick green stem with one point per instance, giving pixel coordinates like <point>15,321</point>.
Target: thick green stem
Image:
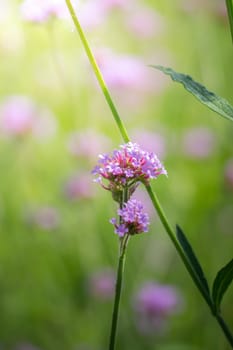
<point>229,6</point>
<point>98,73</point>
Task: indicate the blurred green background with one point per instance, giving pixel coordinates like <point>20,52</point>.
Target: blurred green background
<point>56,241</point>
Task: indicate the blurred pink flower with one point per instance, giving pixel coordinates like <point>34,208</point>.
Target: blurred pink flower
<point>129,77</point>
<point>198,142</point>
<point>92,14</point>
<point>150,141</point>
<point>153,304</point>
<point>114,4</point>
<point>87,143</point>
<point>20,116</point>
<point>123,71</point>
<point>228,173</point>
<point>79,187</point>
<point>39,11</point>
<point>145,23</point>
<point>46,218</point>
<point>17,115</point>
<point>102,284</point>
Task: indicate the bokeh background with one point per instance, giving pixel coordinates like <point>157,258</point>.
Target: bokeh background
<point>58,252</point>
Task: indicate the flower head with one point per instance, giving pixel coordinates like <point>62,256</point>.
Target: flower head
<point>132,219</point>
<point>127,166</point>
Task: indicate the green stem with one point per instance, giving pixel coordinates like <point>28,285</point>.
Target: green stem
<point>229,6</point>
<point>179,250</point>
<point>153,197</point>
<point>225,329</point>
<point>120,271</point>
<point>97,72</point>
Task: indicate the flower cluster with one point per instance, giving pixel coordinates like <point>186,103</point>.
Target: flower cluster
<point>132,219</point>
<point>128,165</point>
<point>124,170</point>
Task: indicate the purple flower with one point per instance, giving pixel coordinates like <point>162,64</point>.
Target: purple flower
<point>102,284</point>
<point>153,304</point>
<point>132,219</point>
<point>127,166</point>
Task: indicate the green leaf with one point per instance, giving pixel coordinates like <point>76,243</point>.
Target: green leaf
<point>221,283</point>
<point>208,98</point>
<point>192,259</point>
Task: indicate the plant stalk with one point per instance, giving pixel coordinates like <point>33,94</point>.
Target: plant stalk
<point>97,72</point>
<point>229,6</point>
<point>225,329</point>
<point>120,271</point>
<point>179,250</point>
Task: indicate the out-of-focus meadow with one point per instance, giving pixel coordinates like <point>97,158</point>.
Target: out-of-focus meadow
<point>58,252</point>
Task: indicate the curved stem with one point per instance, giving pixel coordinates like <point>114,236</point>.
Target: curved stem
<point>97,72</point>
<point>229,6</point>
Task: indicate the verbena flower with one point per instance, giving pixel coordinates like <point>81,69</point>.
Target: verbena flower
<point>132,219</point>
<point>127,166</point>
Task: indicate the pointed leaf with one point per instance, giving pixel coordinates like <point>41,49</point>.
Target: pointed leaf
<point>221,283</point>
<point>206,97</point>
<point>192,258</point>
